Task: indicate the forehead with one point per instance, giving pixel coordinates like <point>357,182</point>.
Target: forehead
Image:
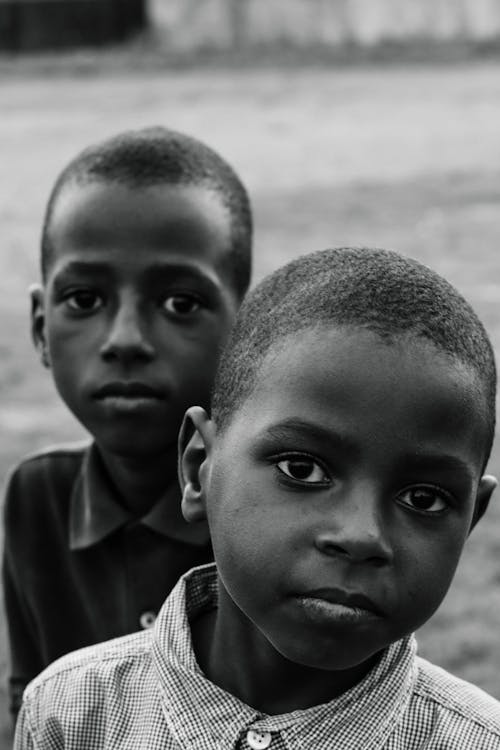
<point>393,398</point>
<point>112,220</point>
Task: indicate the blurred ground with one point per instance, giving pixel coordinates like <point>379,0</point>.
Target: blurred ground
<point>401,158</point>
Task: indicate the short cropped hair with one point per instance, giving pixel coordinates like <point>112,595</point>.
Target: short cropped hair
<point>378,290</point>
<point>155,156</point>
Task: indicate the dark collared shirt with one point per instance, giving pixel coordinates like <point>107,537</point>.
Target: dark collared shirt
<point>147,692</point>
<point>78,567</point>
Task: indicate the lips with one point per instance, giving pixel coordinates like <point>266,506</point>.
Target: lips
<point>352,600</point>
<point>128,390</point>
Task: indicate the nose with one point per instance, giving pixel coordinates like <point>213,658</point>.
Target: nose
<point>127,336</point>
<point>357,529</point>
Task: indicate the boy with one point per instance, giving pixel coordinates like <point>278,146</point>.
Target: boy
<point>342,470</point>
<point>146,251</point>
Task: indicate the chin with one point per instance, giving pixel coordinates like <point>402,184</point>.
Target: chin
<point>332,658</point>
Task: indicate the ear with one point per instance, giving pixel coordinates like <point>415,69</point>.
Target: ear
<point>196,440</point>
<point>487,485</point>
<point>38,323</point>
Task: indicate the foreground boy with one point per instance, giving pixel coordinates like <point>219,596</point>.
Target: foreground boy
<point>145,259</point>
<point>353,416</point>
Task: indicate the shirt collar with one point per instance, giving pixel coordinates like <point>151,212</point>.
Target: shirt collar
<point>96,510</point>
<point>166,518</point>
<point>363,717</point>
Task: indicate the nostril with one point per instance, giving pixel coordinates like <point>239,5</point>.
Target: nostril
<point>377,562</point>
<point>357,548</point>
<point>108,354</point>
<point>329,547</point>
<point>129,349</point>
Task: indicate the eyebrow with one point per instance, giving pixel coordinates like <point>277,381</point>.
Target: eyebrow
<point>289,428</point>
<point>178,270</point>
<point>439,462</point>
<point>83,267</point>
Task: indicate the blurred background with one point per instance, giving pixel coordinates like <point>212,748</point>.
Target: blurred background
<point>190,25</point>
<point>366,122</point>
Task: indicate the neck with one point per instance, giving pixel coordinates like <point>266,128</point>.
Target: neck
<point>264,679</point>
<point>140,482</point>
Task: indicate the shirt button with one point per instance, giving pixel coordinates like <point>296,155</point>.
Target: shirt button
<point>258,740</point>
<point>147,620</point>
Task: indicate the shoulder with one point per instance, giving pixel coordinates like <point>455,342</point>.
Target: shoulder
<point>103,696</point>
<point>50,459</point>
<point>37,500</point>
<point>44,472</point>
<point>91,679</point>
<point>465,709</point>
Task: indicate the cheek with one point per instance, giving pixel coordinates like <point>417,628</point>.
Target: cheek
<point>78,339</point>
<point>62,338</point>
<point>429,567</point>
<point>240,521</point>
<point>189,386</point>
<point>64,359</point>
<point>70,359</point>
<point>195,359</point>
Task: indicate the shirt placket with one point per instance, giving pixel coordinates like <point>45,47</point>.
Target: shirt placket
<point>254,738</point>
<point>140,611</point>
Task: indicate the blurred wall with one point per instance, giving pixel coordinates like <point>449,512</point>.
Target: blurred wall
<point>191,24</point>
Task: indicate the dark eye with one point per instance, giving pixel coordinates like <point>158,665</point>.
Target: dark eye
<point>424,499</point>
<point>181,304</point>
<point>84,300</point>
<point>303,469</point>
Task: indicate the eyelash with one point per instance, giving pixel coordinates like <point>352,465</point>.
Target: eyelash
<point>193,298</point>
<point>74,293</point>
<point>298,458</point>
<point>71,295</point>
<point>437,492</point>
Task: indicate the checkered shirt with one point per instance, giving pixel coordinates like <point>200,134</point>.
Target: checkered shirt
<point>146,692</point>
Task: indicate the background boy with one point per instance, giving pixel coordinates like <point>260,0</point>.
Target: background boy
<point>146,254</point>
<point>341,473</point>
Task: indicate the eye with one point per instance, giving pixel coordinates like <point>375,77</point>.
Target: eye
<point>424,499</point>
<point>303,469</point>
<point>84,300</point>
<point>181,304</point>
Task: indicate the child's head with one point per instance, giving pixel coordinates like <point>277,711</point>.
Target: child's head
<point>353,415</point>
<point>146,255</point>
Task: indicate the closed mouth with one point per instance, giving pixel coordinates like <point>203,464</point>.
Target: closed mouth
<point>351,600</point>
<point>127,390</point>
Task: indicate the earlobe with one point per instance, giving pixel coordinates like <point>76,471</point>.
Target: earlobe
<point>195,447</point>
<point>485,490</point>
<point>38,323</point>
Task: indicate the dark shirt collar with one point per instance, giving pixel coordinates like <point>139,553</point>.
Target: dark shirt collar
<point>96,510</point>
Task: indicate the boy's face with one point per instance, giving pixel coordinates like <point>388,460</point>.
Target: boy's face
<point>340,495</point>
<point>135,307</point>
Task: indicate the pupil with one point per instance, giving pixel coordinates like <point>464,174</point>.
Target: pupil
<point>300,469</point>
<point>85,300</point>
<point>422,500</point>
<point>182,304</point>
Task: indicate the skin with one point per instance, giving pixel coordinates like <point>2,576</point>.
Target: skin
<point>339,498</point>
<point>136,293</point>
